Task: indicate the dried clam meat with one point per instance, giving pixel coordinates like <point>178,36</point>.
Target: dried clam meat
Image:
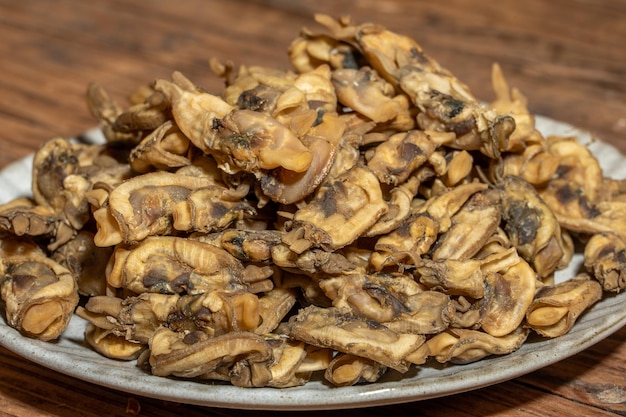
<point>359,213</point>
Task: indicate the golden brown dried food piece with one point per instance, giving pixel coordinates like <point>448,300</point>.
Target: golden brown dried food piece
<point>39,294</point>
<point>471,227</point>
<point>342,210</point>
<point>463,346</point>
<point>112,346</point>
<point>22,217</point>
<point>346,370</point>
<point>394,160</point>
<point>329,327</point>
<point>532,226</point>
<point>143,206</point>
<point>168,264</point>
<point>164,148</point>
<point>605,259</point>
<point>195,354</point>
<point>556,308</point>
<point>86,261</point>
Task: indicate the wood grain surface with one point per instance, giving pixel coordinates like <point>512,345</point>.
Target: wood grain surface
<point>567,56</point>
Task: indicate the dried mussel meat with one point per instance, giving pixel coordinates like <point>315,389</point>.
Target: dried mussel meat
<point>359,213</point>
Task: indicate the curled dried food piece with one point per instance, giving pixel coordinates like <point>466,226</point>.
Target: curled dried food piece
<point>556,308</point>
<point>86,261</point>
<point>238,139</point>
<point>164,148</point>
<point>532,226</point>
<point>395,159</point>
<point>463,346</point>
<point>196,354</point>
<point>471,227</point>
<point>342,210</point>
<point>112,346</point>
<point>135,319</point>
<point>168,264</point>
<point>512,292</point>
<point>22,217</point>
<point>605,259</point>
<point>143,206</point>
<point>346,370</point>
<point>39,294</point>
<point>329,327</point>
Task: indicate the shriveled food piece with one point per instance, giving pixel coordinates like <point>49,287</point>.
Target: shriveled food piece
<point>446,103</point>
<point>364,91</point>
<point>86,261</point>
<point>135,319</point>
<point>239,139</point>
<point>112,346</point>
<point>375,297</point>
<point>39,294</point>
<point>311,262</point>
<point>146,115</point>
<point>556,308</point>
<point>605,260</point>
<point>64,172</point>
<point>395,159</point>
<point>463,346</point>
<point>22,217</point>
<point>417,233</point>
<point>249,245</point>
<point>471,227</point>
<point>106,111</point>
<point>399,206</point>
<point>168,264</point>
<point>413,238</point>
<point>322,139</point>
<point>196,354</point>
<point>453,276</point>
<point>164,148</point>
<point>532,226</point>
<point>342,210</point>
<point>329,327</point>
<point>143,206</point>
<point>288,355</point>
<point>211,208</point>
<point>512,290</point>
<point>510,101</point>
<point>273,307</point>
<point>427,312</point>
<point>346,370</point>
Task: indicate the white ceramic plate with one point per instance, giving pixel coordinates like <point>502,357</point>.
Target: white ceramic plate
<point>71,356</point>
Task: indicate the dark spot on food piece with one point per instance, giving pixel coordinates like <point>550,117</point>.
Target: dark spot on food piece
<point>192,338</point>
<point>454,107</point>
<point>320,114</point>
<point>562,170</point>
<point>522,222</point>
<point>219,210</point>
<point>418,56</point>
<point>351,59</point>
<point>606,251</point>
<point>566,194</point>
<point>217,124</point>
<point>409,151</point>
<point>328,202</point>
<point>621,257</point>
<point>250,101</point>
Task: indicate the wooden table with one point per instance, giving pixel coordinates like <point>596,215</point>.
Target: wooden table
<point>567,57</point>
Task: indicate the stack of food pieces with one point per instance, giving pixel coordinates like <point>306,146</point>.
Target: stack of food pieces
<point>358,213</point>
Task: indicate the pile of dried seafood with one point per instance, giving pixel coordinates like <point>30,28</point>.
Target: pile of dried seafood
<point>358,213</point>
